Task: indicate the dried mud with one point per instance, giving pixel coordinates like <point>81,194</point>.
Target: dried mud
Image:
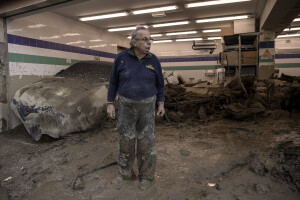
<point>219,159</point>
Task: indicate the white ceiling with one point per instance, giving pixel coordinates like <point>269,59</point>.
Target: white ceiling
<point>95,7</point>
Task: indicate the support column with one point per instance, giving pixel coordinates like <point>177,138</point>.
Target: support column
<point>266,65</point>
<point>3,72</point>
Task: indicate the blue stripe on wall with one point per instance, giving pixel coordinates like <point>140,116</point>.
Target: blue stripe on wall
<point>15,39</point>
<point>189,59</point>
<point>268,44</point>
<point>283,56</point>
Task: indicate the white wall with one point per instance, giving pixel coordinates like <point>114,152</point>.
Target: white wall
<point>288,56</point>
<point>57,29</point>
<point>191,64</point>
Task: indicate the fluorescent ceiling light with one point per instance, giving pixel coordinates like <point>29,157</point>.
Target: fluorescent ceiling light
<point>153,10</point>
<point>222,19</point>
<point>292,29</point>
<point>77,42</point>
<point>296,20</point>
<point>71,34</point>
<point>96,17</point>
<point>96,46</point>
<point>291,35</point>
<point>97,40</point>
<point>156,35</point>
<point>211,30</point>
<point>162,41</point>
<point>170,24</point>
<point>182,33</point>
<point>16,30</point>
<point>51,37</point>
<point>210,3</point>
<point>188,39</point>
<point>214,38</point>
<point>36,26</point>
<point>123,28</point>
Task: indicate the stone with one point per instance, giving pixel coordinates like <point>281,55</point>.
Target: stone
<point>58,106</point>
<point>185,152</point>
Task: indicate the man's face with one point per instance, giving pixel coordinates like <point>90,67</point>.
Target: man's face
<point>142,43</point>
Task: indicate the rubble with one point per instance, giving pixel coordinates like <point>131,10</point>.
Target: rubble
<point>240,99</point>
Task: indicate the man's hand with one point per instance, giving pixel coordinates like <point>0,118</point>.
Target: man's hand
<point>111,111</point>
<point>161,110</point>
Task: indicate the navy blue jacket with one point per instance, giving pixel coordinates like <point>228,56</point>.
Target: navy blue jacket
<point>136,79</point>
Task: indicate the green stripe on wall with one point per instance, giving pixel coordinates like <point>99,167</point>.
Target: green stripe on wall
<point>25,58</point>
<point>287,65</point>
<point>265,60</point>
<point>204,67</point>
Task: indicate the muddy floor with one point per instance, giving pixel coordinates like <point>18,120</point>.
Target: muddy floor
<point>221,159</point>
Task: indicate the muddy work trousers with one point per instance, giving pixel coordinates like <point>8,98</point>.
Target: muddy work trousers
<point>136,122</point>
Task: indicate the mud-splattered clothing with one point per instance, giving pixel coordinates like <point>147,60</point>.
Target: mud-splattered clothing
<point>136,78</point>
<point>136,122</point>
<point>139,84</point>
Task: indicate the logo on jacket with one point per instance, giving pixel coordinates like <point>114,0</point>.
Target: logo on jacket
<point>150,67</point>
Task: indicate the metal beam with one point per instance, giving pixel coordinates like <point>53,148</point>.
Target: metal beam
<point>278,14</point>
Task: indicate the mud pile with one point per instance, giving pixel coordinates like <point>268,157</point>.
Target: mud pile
<point>281,165</point>
<point>93,72</point>
<point>287,158</point>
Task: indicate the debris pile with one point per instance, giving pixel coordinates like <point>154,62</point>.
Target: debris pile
<point>237,98</point>
<point>287,158</point>
<point>182,103</point>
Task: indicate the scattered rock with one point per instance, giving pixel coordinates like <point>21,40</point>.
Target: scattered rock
<point>185,152</point>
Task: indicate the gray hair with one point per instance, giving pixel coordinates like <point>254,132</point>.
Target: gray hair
<point>134,34</point>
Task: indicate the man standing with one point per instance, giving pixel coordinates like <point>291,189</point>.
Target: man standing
<point>137,78</point>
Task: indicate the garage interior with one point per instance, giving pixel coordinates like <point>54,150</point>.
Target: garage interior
<point>232,88</point>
